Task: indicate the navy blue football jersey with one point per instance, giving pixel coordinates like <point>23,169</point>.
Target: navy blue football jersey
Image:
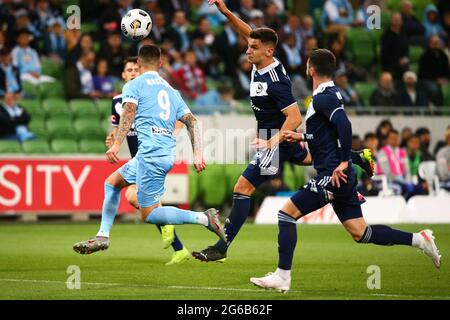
<point>116,111</point>
<point>321,133</point>
<point>270,95</point>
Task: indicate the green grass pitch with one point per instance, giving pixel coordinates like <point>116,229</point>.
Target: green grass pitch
<point>327,265</point>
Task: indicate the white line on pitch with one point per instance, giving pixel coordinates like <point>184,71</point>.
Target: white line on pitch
<point>228,289</point>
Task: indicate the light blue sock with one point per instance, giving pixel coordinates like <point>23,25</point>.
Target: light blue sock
<point>111,203</point>
<point>172,215</point>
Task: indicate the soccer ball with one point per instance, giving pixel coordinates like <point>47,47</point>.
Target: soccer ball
<point>136,24</point>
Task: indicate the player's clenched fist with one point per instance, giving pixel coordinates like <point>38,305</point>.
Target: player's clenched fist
<point>292,136</point>
<point>111,154</point>
<point>199,163</point>
<point>219,3</point>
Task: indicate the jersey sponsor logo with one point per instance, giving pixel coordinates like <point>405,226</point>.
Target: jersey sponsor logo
<point>309,136</point>
<point>161,131</point>
<point>258,89</point>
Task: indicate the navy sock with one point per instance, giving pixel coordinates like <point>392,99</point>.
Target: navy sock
<point>239,212</point>
<point>386,236</point>
<point>287,240</point>
<point>176,244</point>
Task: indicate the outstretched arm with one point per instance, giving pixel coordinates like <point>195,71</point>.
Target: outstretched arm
<point>194,133</point>
<point>239,25</point>
<point>126,121</point>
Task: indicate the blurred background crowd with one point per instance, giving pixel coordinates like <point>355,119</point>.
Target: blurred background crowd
<point>48,70</point>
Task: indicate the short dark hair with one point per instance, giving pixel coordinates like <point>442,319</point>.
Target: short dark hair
<point>266,35</point>
<point>323,61</point>
<point>129,60</point>
<point>369,136</point>
<point>394,131</point>
<point>149,54</point>
<point>422,130</point>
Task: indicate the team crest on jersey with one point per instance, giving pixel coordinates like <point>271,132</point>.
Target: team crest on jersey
<point>258,89</point>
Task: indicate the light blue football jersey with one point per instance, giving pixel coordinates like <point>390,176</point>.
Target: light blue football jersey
<point>159,106</point>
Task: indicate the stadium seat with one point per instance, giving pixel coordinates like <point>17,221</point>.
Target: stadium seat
<point>36,146</point>
<point>446,93</point>
<point>55,107</point>
<point>37,126</point>
<point>64,146</point>
<point>51,90</point>
<point>30,91</point>
<point>393,5</point>
<point>88,27</point>
<point>32,106</point>
<point>193,186</point>
<point>92,146</point>
<point>60,128</point>
<point>84,107</point>
<point>10,146</point>
<point>365,90</point>
<point>89,129</point>
<point>414,53</point>
<point>289,177</point>
<point>233,172</point>
<point>104,107</point>
<point>52,69</point>
<point>213,186</point>
<point>299,175</point>
<point>361,47</point>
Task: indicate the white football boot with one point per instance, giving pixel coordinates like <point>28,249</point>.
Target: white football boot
<point>273,281</point>
<point>429,247</point>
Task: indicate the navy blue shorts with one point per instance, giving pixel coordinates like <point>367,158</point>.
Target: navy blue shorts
<point>267,164</point>
<point>318,192</point>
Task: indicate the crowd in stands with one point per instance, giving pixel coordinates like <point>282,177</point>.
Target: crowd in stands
<point>201,49</point>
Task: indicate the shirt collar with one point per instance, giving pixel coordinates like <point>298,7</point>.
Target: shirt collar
<point>270,66</point>
<point>322,87</point>
<point>152,72</point>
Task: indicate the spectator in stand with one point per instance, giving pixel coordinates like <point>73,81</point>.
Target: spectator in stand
<point>405,135</point>
<point>394,48</point>
<point>443,163</point>
<point>368,186</point>
<point>111,17</point>
<point>272,16</point>
<point>159,31</point>
<point>432,23</point>
<point>167,71</point>
<point>293,26</point>
<point>290,56</point>
<point>190,77</point>
<point>256,19</point>
<point>393,164</point>
<point>150,6</point>
<point>44,14</point>
<point>307,29</point>
<point>14,120</point>
<point>54,42</point>
<point>441,143</point>
<point>414,155</point>
<point>23,23</point>
<point>361,14</point>
<point>383,130</point>
<point>177,32</point>
<point>425,140</point>
<point>9,75</point>
<point>350,96</point>
<point>103,80</point>
<point>410,94</point>
<point>79,81</point>
<point>3,40</point>
<point>115,53</point>
<point>27,60</point>
<point>84,44</point>
<point>205,59</point>
<point>170,7</point>
<point>337,18</point>
<point>309,45</point>
<point>211,13</point>
<point>220,100</point>
<point>371,142</point>
<point>227,47</point>
<point>412,27</point>
<point>434,70</point>
<point>242,82</point>
<point>245,9</point>
<point>385,94</point>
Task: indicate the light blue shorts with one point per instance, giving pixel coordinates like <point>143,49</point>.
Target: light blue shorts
<point>128,171</point>
<point>150,178</point>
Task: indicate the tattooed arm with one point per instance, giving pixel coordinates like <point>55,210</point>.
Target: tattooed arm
<point>126,121</point>
<point>194,133</point>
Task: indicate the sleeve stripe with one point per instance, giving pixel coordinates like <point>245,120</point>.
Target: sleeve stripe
<point>292,104</point>
<point>124,100</point>
<point>340,108</point>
